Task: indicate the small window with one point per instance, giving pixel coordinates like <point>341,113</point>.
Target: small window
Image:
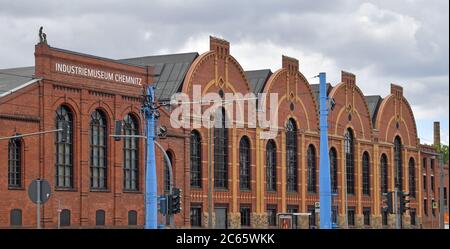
<point>65,218</point>
<point>196,216</point>
<point>412,213</point>
<point>100,218</point>
<point>272,215</point>
<point>245,216</point>
<point>167,172</point>
<point>384,217</point>
<point>351,216</point>
<point>293,209</point>
<point>366,216</point>
<point>132,218</point>
<point>16,217</point>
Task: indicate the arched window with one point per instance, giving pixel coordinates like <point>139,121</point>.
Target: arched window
<point>98,143</point>
<point>196,160</point>
<point>132,218</point>
<point>244,164</point>
<point>15,217</point>
<point>100,217</point>
<point>334,170</point>
<point>366,173</point>
<point>167,172</point>
<point>65,218</point>
<point>271,166</point>
<point>15,163</point>
<point>398,179</point>
<point>130,154</point>
<point>64,148</point>
<point>384,173</point>
<point>312,179</point>
<point>412,177</point>
<point>220,150</point>
<point>291,156</point>
<point>349,161</point>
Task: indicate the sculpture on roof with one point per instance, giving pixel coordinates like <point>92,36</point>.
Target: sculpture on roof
<point>42,36</point>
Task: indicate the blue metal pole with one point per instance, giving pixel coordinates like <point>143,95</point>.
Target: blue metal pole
<point>324,172</point>
<point>151,206</point>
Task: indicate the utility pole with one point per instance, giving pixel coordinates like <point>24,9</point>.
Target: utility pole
<point>151,114</point>
<point>324,173</point>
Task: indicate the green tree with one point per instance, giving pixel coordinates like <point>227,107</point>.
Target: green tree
<point>442,148</point>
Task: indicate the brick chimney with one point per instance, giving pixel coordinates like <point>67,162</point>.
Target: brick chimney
<point>437,133</point>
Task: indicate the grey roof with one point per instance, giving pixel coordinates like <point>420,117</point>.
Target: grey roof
<point>373,102</point>
<point>14,77</point>
<point>170,71</point>
<point>258,79</point>
<point>315,89</point>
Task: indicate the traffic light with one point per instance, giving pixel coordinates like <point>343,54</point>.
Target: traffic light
<point>404,202</point>
<point>162,204</point>
<point>387,202</point>
<point>175,201</point>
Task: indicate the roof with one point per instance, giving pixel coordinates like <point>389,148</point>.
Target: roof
<point>257,79</point>
<point>14,78</point>
<point>373,102</point>
<point>170,71</point>
<point>315,89</point>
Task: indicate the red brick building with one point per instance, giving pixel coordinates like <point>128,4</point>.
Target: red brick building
<point>98,181</point>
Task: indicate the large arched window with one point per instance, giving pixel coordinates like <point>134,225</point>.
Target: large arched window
<point>196,160</point>
<point>412,177</point>
<point>167,172</point>
<point>334,170</point>
<point>291,156</point>
<point>398,164</point>
<point>366,173</point>
<point>220,150</point>
<point>64,148</point>
<point>271,166</point>
<point>98,142</point>
<point>312,179</point>
<point>384,173</point>
<point>244,163</point>
<point>15,163</point>
<point>131,154</point>
<point>349,161</point>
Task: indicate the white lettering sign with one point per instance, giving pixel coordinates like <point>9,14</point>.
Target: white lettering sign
<point>97,74</point>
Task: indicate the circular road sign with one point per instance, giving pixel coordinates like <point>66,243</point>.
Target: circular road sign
<point>44,193</point>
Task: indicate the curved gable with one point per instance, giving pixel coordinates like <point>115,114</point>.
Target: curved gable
<point>351,109</point>
<point>293,88</point>
<point>395,117</point>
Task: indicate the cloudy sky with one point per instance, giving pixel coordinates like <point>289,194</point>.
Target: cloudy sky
<point>382,42</point>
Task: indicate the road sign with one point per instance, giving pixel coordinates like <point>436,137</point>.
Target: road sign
<point>45,191</point>
<point>317,207</point>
